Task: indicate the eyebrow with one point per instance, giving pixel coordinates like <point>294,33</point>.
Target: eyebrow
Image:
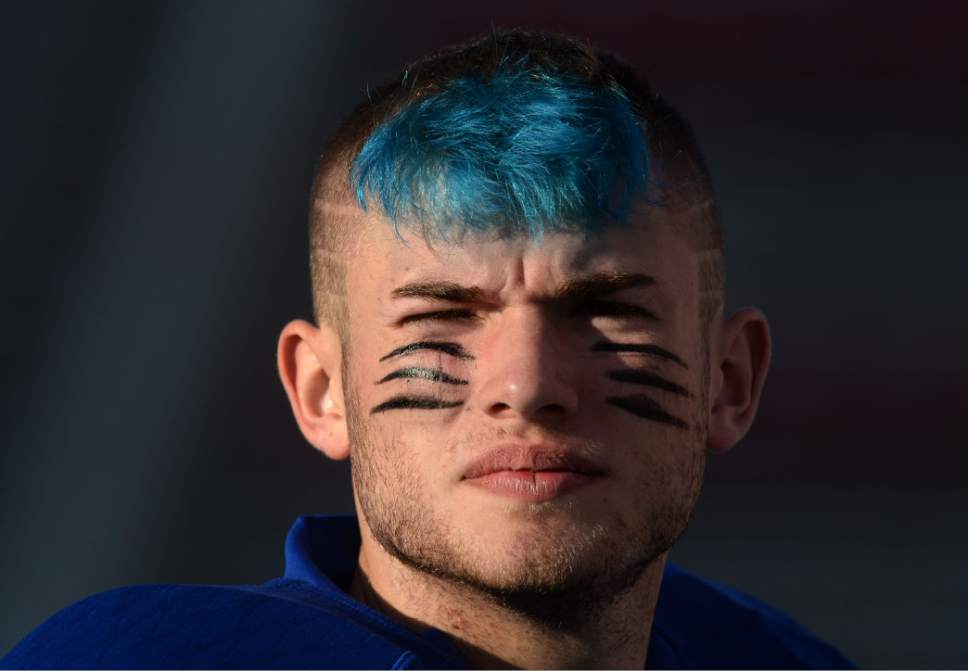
<point>601,284</point>
<point>441,291</point>
<point>580,288</point>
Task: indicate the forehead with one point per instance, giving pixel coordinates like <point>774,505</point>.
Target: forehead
<point>383,259</point>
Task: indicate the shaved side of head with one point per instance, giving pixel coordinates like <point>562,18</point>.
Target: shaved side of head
<point>439,149</point>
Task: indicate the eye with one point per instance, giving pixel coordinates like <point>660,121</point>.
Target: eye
<point>458,315</point>
<point>612,309</point>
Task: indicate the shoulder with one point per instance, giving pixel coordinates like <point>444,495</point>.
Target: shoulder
<point>282,624</point>
<point>705,624</point>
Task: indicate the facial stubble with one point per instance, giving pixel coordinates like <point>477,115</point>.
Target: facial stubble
<point>563,579</point>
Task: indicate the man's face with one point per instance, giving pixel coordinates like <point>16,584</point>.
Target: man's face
<point>527,415</point>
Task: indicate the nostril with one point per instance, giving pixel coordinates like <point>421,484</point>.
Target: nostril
<point>498,408</point>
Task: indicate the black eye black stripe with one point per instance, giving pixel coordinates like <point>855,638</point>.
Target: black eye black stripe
<point>641,405</point>
<point>638,348</point>
<point>432,374</point>
<point>649,379</point>
<point>450,348</point>
<point>414,403</point>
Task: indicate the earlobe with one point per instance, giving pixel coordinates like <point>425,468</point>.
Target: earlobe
<point>309,366</point>
<point>738,376</point>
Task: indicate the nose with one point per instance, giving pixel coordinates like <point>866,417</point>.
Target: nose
<point>526,369</point>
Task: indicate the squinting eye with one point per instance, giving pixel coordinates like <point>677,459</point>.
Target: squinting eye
<point>611,309</point>
<point>441,316</point>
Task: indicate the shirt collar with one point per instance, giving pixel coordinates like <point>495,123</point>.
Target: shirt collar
<point>322,550</point>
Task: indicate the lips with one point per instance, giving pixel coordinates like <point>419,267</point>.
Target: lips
<point>532,473</point>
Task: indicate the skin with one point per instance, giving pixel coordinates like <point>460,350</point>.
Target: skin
<point>642,392</point>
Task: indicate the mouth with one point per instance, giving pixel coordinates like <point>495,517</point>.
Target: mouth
<point>531,473</point>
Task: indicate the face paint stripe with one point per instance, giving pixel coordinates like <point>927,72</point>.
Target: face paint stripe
<point>646,408</point>
<point>450,348</point>
<point>637,348</point>
<point>414,403</point>
<point>648,379</point>
<point>432,374</point>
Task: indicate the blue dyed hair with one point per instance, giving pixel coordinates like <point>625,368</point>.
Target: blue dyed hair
<point>513,132</point>
<point>524,149</point>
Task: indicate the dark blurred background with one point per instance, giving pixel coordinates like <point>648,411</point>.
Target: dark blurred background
<point>157,160</point>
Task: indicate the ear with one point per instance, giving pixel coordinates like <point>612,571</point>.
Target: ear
<point>309,361</point>
<point>739,371</point>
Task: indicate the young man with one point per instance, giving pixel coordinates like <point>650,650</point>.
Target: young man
<point>521,347</point>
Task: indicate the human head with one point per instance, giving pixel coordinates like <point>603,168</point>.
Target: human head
<point>426,197</point>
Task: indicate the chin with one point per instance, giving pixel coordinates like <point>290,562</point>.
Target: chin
<point>560,580</point>
<point>537,560</point>
<point>538,553</point>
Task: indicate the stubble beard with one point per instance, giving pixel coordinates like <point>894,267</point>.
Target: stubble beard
<point>562,584</point>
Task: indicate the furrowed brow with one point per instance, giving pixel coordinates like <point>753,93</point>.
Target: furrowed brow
<point>588,286</point>
<point>440,291</point>
<point>601,284</point>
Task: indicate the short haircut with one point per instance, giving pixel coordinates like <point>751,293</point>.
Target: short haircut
<point>513,133</point>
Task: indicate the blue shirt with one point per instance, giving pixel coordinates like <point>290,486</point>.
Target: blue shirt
<point>305,619</point>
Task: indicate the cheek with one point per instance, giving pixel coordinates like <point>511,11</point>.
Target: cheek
<point>654,467</point>
<point>654,458</point>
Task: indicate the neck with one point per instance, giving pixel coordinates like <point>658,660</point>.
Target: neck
<point>491,634</point>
